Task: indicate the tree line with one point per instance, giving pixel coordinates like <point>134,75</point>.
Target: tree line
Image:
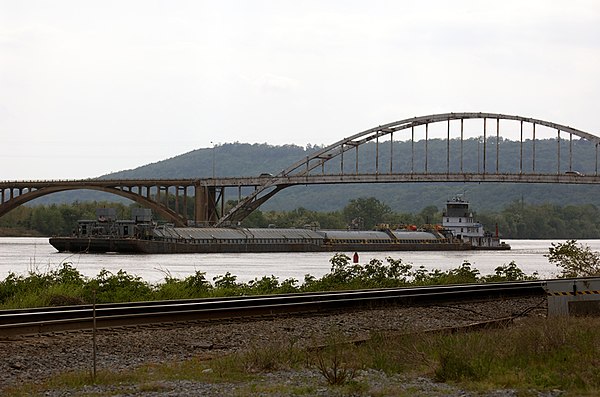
<point>518,220</point>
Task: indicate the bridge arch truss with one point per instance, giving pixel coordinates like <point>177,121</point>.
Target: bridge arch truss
<point>168,198</point>
<point>322,163</point>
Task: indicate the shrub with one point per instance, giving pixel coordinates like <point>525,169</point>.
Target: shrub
<point>574,260</point>
<point>510,272</point>
<point>120,287</point>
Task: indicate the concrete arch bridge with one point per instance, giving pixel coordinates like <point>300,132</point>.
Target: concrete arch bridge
<point>449,147</point>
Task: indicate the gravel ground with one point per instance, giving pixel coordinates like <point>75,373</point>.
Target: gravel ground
<point>28,359</point>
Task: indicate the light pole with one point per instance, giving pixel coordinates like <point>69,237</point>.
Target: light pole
<point>213,159</point>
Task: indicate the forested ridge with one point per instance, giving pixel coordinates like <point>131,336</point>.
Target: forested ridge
<point>242,159</point>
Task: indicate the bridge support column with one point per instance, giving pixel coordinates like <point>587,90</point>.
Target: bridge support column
<point>205,205</point>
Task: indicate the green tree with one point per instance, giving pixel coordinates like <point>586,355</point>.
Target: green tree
<point>366,212</point>
<point>575,260</point>
<point>429,215</point>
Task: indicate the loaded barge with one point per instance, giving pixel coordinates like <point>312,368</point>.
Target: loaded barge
<point>141,235</point>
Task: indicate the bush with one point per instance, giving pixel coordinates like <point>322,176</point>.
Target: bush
<point>120,287</point>
<point>510,272</point>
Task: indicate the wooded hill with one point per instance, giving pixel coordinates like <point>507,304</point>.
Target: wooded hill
<point>241,159</point>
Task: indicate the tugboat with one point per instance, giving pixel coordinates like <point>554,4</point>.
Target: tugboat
<point>459,220</point>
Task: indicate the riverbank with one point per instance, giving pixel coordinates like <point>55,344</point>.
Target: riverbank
<point>19,232</point>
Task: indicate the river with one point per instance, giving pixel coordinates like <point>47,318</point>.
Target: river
<point>24,254</point>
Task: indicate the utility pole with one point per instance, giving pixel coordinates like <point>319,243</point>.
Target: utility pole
<point>213,159</point>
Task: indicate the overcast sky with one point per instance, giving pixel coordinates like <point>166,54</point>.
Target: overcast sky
<point>91,87</point>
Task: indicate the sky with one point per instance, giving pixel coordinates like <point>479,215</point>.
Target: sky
<point>92,87</point>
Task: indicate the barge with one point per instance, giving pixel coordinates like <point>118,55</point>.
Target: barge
<point>458,232</point>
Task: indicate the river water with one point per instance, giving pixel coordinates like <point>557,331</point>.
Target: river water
<point>24,254</point>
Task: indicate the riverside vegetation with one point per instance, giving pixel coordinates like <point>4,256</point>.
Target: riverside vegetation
<point>66,285</point>
<point>535,355</point>
<point>517,220</point>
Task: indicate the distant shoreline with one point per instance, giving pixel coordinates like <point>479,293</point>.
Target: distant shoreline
<point>18,232</point>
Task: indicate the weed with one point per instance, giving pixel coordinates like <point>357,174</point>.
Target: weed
<point>333,368</point>
<point>338,362</point>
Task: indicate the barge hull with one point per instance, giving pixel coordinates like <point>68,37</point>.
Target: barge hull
<point>129,245</point>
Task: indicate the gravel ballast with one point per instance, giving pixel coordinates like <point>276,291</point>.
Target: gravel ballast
<point>35,358</point>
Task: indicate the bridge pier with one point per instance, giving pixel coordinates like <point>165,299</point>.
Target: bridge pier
<point>205,205</point>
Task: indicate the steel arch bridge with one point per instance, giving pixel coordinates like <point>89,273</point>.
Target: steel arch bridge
<point>312,168</point>
<point>430,160</point>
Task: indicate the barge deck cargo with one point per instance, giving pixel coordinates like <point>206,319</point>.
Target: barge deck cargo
<point>141,235</point>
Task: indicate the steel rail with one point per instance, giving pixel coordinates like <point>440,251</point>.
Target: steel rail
<point>45,320</point>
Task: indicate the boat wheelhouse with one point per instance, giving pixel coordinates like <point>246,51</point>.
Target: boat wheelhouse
<point>459,220</point>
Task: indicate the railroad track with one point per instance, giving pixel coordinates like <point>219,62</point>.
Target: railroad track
<point>67,318</point>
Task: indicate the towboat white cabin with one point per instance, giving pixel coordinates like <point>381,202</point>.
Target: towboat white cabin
<point>458,218</point>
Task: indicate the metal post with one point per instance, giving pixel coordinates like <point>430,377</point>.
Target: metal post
<point>94,345</point>
<point>461,144</point>
<point>448,150</point>
<point>426,145</point>
<point>521,159</point>
<point>210,195</point>
<point>484,142</point>
<point>213,159</point>
<point>377,153</point>
<point>478,153</point>
<point>570,151</point>
<point>558,153</point>
<point>391,152</point>
<point>497,145</point>
<point>185,208</point>
<point>596,172</point>
<point>533,157</point>
<point>342,160</point>
<point>412,158</point>
<point>222,200</point>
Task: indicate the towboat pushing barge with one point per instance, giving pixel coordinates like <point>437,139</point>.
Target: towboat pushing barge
<point>458,231</point>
